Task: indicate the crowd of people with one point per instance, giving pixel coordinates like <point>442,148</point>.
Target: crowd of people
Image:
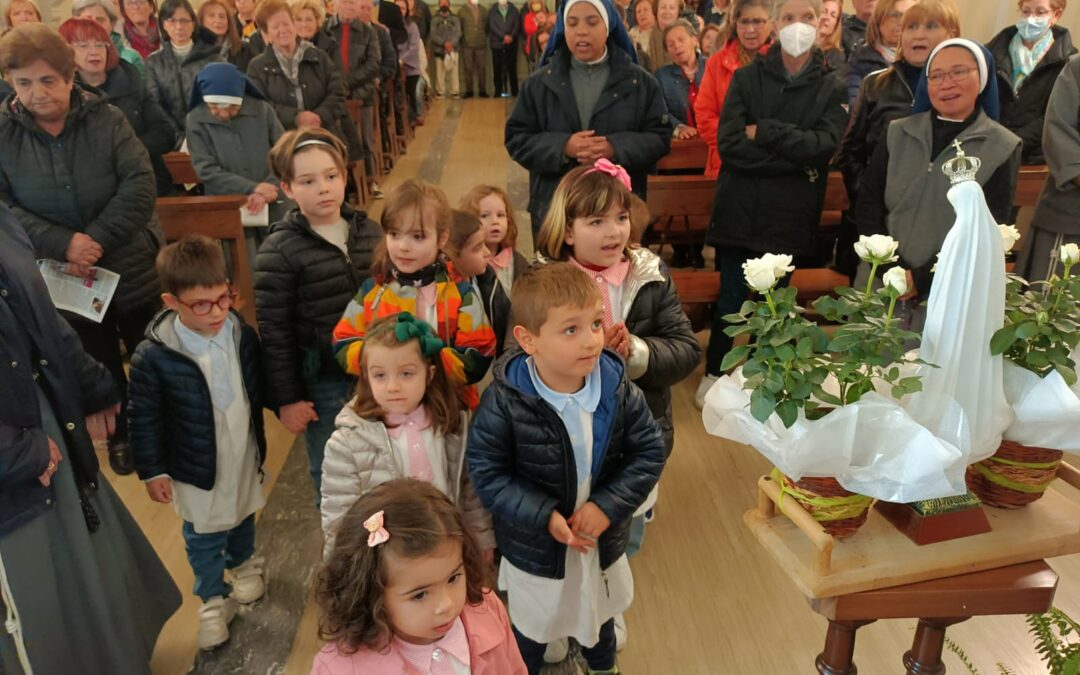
<point>475,419</point>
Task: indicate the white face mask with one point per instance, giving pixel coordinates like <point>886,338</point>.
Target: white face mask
<point>797,38</point>
<point>1032,28</point>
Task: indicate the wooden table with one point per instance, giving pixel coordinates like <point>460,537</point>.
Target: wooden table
<point>1018,589</point>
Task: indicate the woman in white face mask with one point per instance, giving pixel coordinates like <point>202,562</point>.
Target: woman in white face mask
<point>779,128</point>
<point>1030,54</point>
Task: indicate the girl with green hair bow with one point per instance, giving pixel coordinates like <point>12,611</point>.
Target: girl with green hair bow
<point>405,421</point>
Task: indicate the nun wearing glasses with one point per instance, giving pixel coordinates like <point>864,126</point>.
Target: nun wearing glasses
<point>903,192</point>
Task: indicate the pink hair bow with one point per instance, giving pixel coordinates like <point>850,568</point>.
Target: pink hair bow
<point>377,534</point>
<point>612,169</point>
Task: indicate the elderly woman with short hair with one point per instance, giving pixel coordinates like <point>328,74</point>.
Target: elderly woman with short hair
<point>81,585</point>
<point>80,182</point>
<point>103,12</point>
<point>99,69</point>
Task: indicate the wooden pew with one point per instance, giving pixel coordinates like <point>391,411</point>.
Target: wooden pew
<point>217,218</point>
<point>405,133</point>
<point>685,156</point>
<point>180,168</point>
<point>376,143</point>
<point>1029,185</point>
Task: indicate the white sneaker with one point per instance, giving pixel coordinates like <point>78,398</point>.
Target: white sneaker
<point>707,381</point>
<point>620,632</point>
<point>247,581</point>
<point>214,618</point>
<point>556,651</point>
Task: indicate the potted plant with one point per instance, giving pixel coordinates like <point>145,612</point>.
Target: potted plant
<point>1038,341</point>
<point>792,366</point>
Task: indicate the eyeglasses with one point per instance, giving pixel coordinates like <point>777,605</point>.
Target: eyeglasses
<point>204,307</point>
<point>956,75</point>
<point>752,23</point>
<point>88,46</point>
<point>179,22</point>
<point>1040,12</point>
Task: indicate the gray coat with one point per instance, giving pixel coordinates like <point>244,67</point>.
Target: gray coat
<point>919,216</point>
<point>230,157</point>
<point>1059,202</point>
<point>365,56</point>
<point>444,29</point>
<point>359,458</point>
<point>170,79</point>
<point>95,177</point>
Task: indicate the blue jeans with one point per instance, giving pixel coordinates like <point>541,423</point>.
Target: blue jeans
<point>600,656</point>
<point>211,554</point>
<point>328,393</point>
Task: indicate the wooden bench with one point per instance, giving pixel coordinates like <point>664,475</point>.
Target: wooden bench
<point>180,168</point>
<point>375,143</point>
<point>1029,185</point>
<point>685,156</point>
<point>217,218</point>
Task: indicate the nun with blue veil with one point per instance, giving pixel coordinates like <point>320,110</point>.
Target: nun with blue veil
<point>587,100</point>
<point>902,194</point>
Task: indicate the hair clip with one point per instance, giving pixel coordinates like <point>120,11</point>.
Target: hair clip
<point>612,169</point>
<point>409,327</point>
<point>377,534</point>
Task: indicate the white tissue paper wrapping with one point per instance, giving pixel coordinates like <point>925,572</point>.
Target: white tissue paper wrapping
<point>1047,410</point>
<point>920,448</point>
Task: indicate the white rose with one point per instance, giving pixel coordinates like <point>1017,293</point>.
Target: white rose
<point>879,248</point>
<point>1009,236</point>
<point>759,274</point>
<point>1070,254</point>
<point>896,280</point>
<point>781,264</point>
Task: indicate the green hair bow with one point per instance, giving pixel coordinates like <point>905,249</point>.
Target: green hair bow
<point>409,327</point>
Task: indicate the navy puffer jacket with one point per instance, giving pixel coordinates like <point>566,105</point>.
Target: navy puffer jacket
<point>170,414</point>
<point>522,463</point>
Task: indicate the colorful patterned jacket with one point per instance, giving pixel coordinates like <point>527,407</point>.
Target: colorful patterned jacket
<point>461,324</point>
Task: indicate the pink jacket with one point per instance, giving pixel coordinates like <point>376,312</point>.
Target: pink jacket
<point>492,648</point>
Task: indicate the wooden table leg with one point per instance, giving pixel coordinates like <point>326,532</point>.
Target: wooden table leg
<point>838,657</point>
<point>925,655</point>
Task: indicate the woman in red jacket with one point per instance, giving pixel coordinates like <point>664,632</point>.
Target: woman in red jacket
<point>749,34</point>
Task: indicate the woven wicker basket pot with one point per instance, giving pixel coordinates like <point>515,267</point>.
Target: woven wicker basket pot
<point>810,491</point>
<point>1016,475</point>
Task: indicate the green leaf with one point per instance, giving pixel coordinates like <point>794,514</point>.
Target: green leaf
<point>1026,330</point>
<point>732,358</point>
<point>785,353</point>
<point>788,412</point>
<point>762,404</point>
<point>1068,374</point>
<point>1002,340</point>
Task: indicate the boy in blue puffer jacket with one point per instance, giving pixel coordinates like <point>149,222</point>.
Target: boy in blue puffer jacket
<point>562,451</point>
<point>197,427</point>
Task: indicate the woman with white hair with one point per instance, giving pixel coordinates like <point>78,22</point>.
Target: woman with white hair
<point>957,101</point>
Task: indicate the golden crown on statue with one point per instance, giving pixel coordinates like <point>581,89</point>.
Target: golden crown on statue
<point>961,168</point>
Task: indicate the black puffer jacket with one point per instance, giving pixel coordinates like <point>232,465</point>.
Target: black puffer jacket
<point>170,78</point>
<point>170,412</point>
<point>124,88</point>
<point>321,81</point>
<point>770,191</point>
<point>303,284</point>
<point>34,338</point>
<point>365,56</point>
<point>521,463</point>
<point>863,61</point>
<point>884,96</point>
<point>388,61</point>
<point>95,177</point>
<point>630,113</point>
<point>497,303</point>
<point>1024,111</point>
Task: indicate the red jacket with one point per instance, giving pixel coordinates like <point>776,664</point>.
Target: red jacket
<point>719,69</point>
<point>492,648</point>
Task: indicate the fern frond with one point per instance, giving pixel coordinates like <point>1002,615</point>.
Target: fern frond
<point>960,654</point>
